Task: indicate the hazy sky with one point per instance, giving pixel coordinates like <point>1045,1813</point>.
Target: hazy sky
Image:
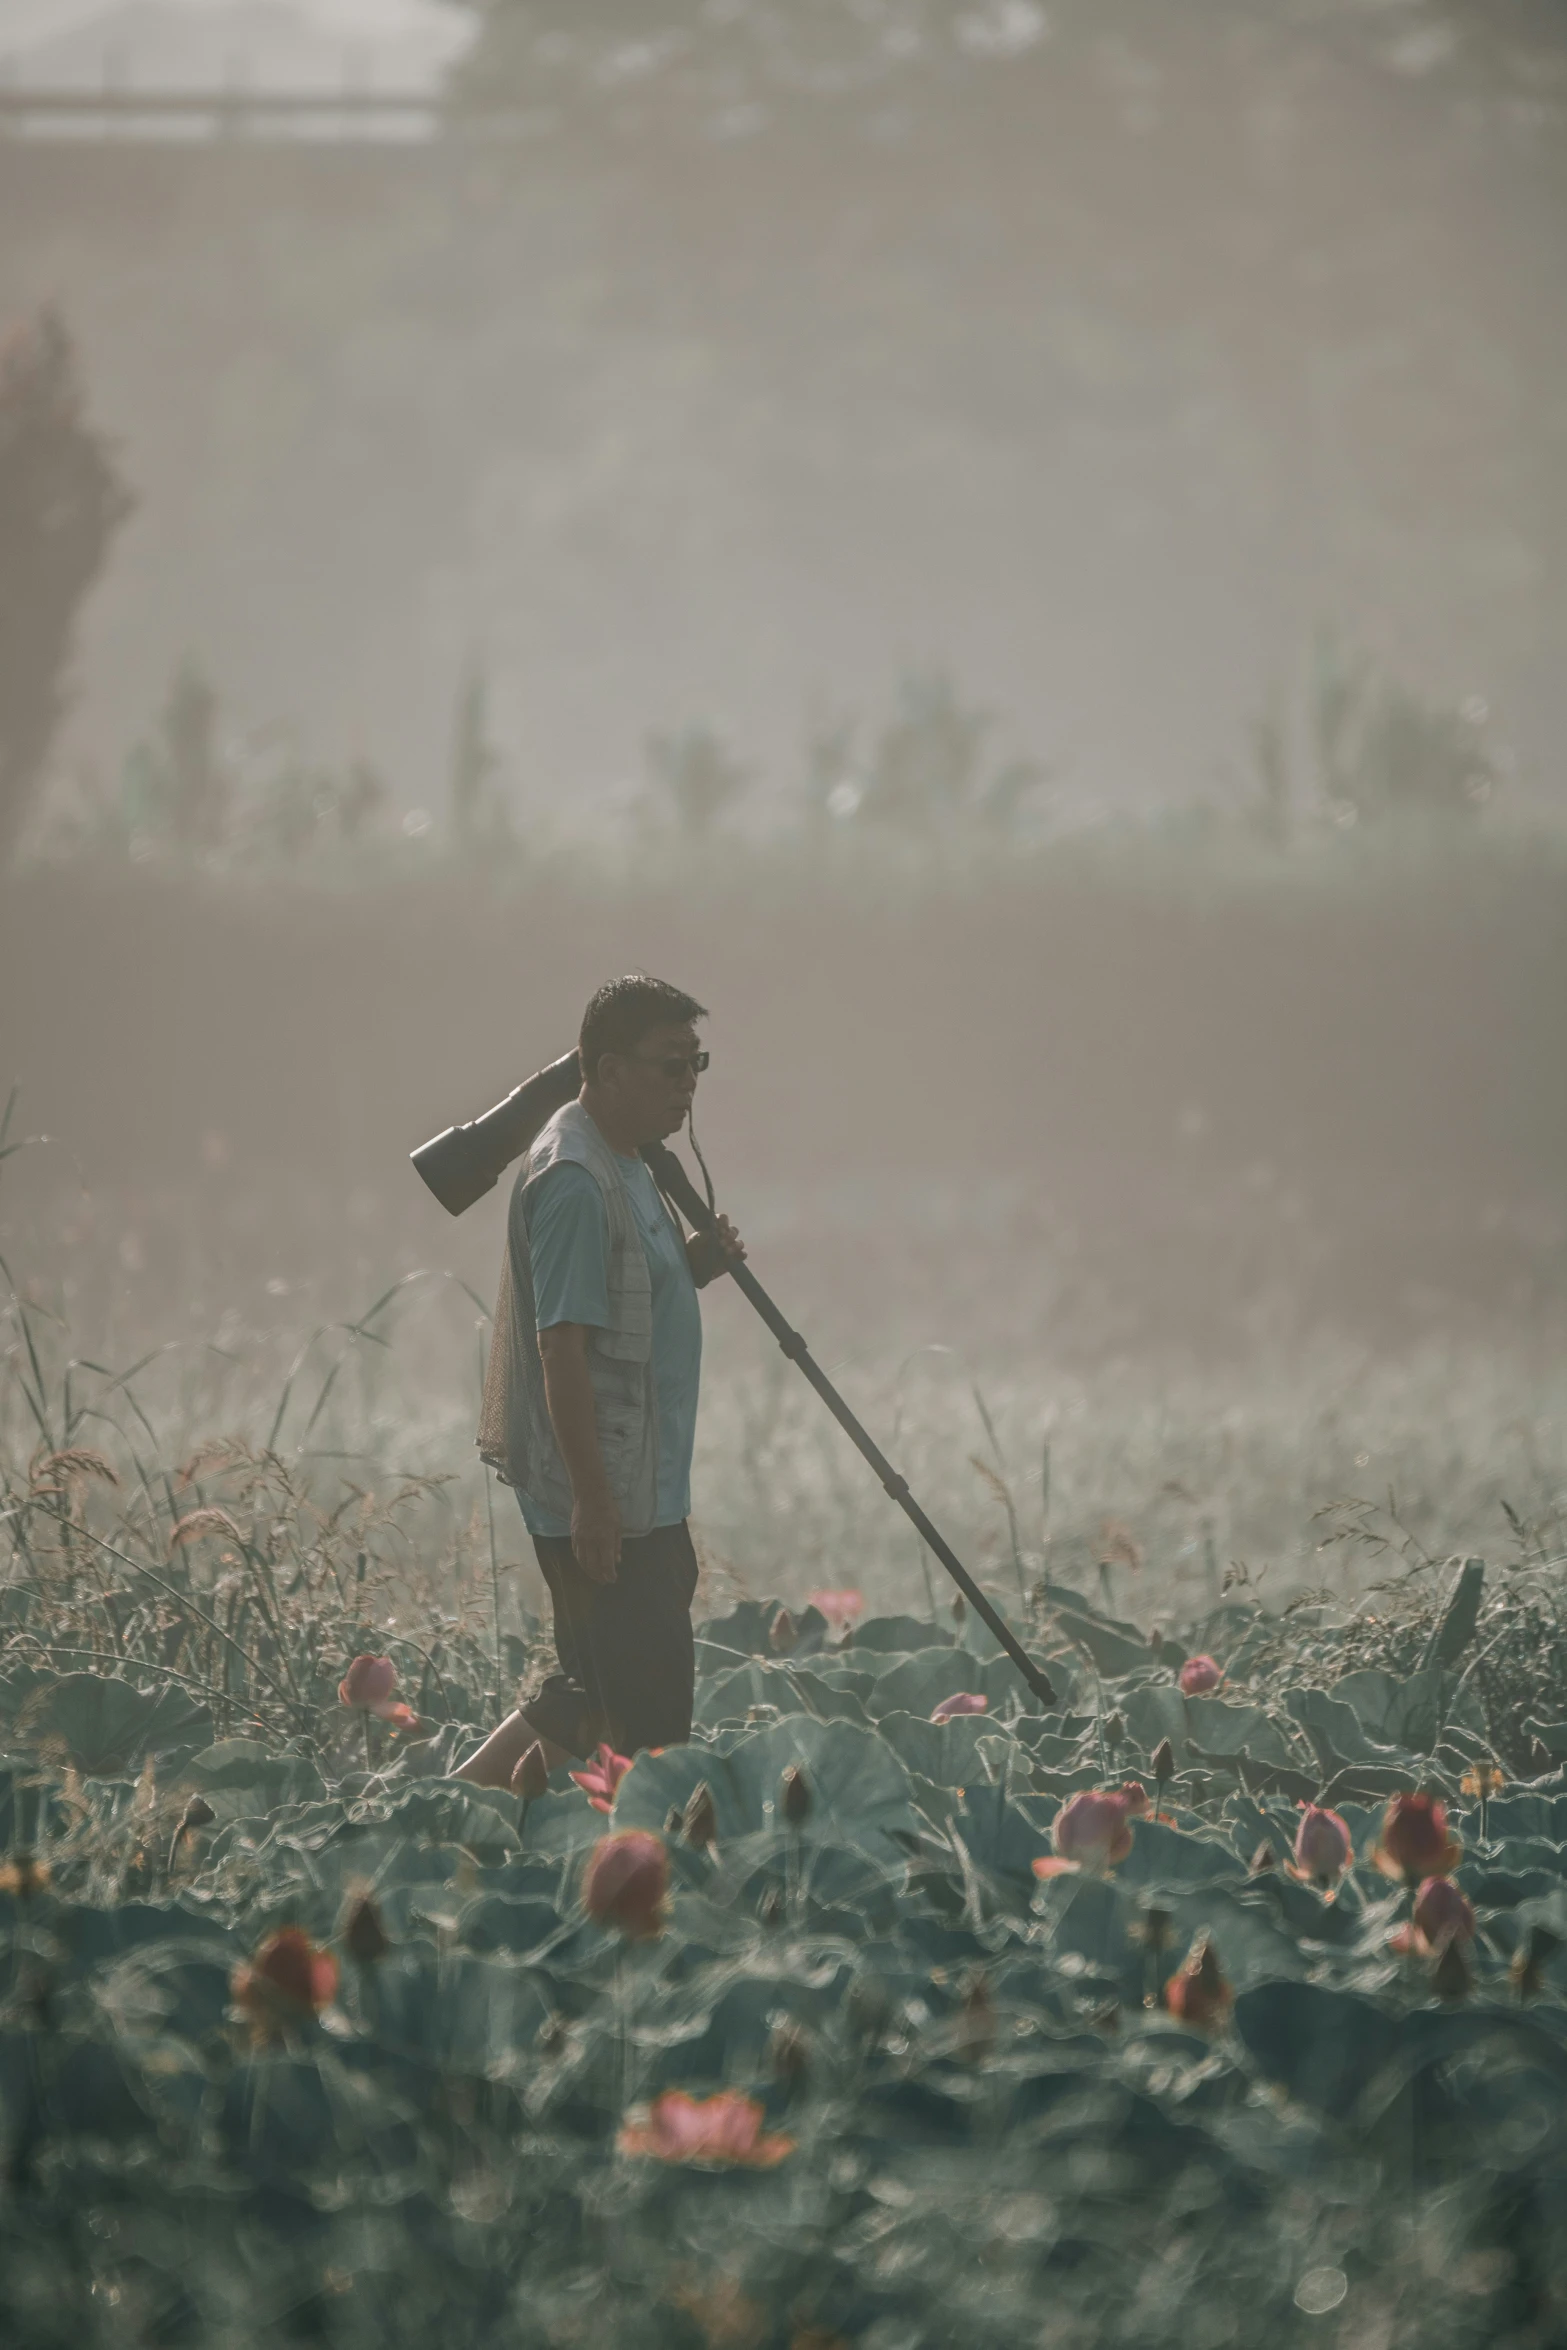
<point>26,21</point>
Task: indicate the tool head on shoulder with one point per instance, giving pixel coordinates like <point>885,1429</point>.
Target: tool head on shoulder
<point>635,1067</point>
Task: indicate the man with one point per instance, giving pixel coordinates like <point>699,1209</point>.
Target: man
<point>590,1400</point>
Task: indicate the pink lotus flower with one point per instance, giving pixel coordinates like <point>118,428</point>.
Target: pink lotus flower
<point>966,1701</point>
<point>1414,1842</point>
<point>720,2130</point>
<point>288,1981</point>
<point>603,1775</point>
<point>367,1686</point>
<point>1441,1915</point>
<point>1199,1675</point>
<point>1093,1830</point>
<point>1324,1848</point>
<point>843,1609</point>
<point>625,1882</point>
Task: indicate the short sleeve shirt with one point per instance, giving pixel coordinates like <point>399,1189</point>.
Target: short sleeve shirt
<point>568,1249</point>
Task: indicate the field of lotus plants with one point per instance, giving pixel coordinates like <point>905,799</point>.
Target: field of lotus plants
<point>1225,2004</point>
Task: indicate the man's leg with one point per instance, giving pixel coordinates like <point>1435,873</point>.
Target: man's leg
<point>559,1718</point>
<point>637,1642</point>
<point>627,1655</point>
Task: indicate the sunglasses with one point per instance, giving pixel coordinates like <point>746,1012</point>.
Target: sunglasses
<point>670,1065</point>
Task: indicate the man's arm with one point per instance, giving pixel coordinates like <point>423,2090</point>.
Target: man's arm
<point>568,1392</point>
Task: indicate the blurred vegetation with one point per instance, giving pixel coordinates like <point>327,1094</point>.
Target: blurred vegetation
<point>984,2096</point>
<point>1353,749</point>
<point>61,501</point>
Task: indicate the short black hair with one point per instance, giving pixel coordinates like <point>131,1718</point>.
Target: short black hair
<point>623,1011</point>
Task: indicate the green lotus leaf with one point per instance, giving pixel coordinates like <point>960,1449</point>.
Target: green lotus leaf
<point>900,1635</point>
<point>168,1983</point>
<point>450,1811</point>
<point>103,1726</point>
<point>917,1684</point>
<point>829,1700</point>
<point>457,2010</point>
<point>92,1934</point>
<point>1155,1711</point>
<point>242,1779</point>
<point>1165,1859</point>
<point>1409,1713</point>
<point>94,2092</point>
<point>1524,1813</point>
<point>1321,2045</point>
<point>500,1921</point>
<point>944,1753</point>
<point>729,1697</point>
<point>1116,1647</point>
<point>748,1626</point>
<point>860,1791</point>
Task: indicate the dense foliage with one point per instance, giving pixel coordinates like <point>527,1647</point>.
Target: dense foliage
<point>963,2098</point>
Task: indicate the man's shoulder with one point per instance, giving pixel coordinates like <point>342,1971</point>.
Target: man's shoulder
<point>562,1181</point>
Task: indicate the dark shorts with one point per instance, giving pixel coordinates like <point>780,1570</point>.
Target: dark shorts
<point>625,1651</point>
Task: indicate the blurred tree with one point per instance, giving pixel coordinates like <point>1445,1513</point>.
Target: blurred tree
<point>1270,765</point>
<point>721,50</point>
<point>926,763</point>
<point>1383,751</point>
<point>476,809</point>
<point>185,780</point>
<point>698,776</point>
<point>61,501</point>
<point>927,771</point>
<point>833,791</point>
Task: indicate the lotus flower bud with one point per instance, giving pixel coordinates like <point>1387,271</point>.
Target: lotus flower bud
<point>1324,1847</point>
<point>1164,1762</point>
<point>1442,1914</point>
<point>699,1821</point>
<point>1197,1994</point>
<point>364,1936</point>
<point>367,1687</point>
<point>1199,1675</point>
<point>795,1796</point>
<point>288,1980</point>
<point>782,1633</point>
<point>966,1701</point>
<point>1414,1842</point>
<point>959,1611</point>
<point>531,1778</point>
<point>1093,1828</point>
<point>625,1882</point>
<point>368,1682</point>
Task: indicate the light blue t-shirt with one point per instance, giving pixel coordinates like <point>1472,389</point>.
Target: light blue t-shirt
<point>568,1247</point>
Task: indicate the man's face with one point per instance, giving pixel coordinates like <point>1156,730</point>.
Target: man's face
<point>655,1084</point>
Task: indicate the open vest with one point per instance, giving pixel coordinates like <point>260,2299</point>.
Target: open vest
<point>515,1436</point>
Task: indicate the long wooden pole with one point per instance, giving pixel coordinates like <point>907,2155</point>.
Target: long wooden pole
<point>677,1187</point>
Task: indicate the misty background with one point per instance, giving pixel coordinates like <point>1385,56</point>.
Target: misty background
<point>1019,552</point>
